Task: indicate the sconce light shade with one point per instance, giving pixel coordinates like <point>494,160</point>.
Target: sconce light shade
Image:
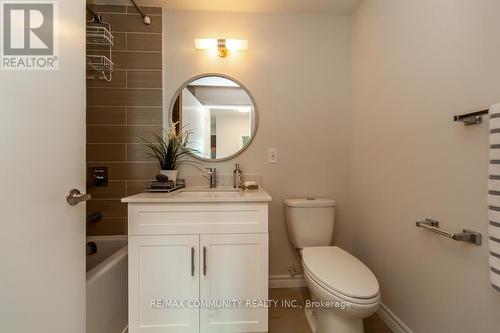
<point>237,44</point>
<point>221,45</point>
<point>205,43</point>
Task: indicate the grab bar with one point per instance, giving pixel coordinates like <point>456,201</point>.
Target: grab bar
<point>465,236</point>
<point>471,118</point>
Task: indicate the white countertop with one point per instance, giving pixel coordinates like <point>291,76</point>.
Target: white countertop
<point>201,194</point>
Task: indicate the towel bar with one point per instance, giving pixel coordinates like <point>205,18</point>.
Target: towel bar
<point>471,118</point>
<point>465,236</point>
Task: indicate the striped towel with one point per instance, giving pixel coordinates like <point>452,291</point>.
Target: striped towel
<point>494,196</point>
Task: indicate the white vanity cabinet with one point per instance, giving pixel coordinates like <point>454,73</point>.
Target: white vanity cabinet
<point>160,269</point>
<point>235,268</point>
<point>190,253</point>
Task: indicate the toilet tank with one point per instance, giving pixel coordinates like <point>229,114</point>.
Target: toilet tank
<point>310,222</point>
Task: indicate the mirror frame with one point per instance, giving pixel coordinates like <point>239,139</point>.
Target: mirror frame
<point>255,113</point>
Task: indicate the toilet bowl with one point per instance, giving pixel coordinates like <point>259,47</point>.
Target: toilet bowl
<point>343,289</point>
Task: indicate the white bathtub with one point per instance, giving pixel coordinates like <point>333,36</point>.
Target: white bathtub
<point>107,285</point>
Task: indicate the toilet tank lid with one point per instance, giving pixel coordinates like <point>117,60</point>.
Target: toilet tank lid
<point>310,202</point>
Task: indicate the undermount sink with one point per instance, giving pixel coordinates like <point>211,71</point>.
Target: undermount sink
<point>224,193</point>
<point>209,190</point>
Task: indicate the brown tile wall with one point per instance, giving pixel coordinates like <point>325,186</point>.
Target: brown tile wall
<point>121,112</point>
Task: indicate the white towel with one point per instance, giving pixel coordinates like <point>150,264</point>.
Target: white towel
<point>494,196</point>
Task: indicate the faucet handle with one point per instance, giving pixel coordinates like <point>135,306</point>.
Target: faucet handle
<point>212,177</point>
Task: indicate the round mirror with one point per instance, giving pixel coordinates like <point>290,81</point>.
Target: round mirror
<point>220,114</point>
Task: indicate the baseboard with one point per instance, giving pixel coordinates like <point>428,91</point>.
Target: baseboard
<point>391,320</point>
<point>286,281</point>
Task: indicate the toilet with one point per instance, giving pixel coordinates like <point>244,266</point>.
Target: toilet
<point>343,289</point>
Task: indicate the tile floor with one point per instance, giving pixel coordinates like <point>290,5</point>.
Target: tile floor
<point>293,320</point>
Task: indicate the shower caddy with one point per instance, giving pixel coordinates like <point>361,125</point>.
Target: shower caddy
<point>100,40</point>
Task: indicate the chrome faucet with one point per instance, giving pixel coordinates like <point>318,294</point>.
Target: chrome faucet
<point>212,176</point>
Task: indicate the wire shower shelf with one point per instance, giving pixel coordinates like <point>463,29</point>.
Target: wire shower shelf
<point>99,35</point>
<point>100,64</point>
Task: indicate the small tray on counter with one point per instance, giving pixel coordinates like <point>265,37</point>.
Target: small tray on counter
<point>165,190</point>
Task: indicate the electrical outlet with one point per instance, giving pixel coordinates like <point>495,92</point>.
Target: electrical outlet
<point>272,155</point>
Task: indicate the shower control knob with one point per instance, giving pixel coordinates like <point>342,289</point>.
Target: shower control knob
<point>75,196</point>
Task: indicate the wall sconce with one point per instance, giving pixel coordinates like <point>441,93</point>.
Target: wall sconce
<point>223,46</point>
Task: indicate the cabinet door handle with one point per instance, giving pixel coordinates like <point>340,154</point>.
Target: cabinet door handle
<point>192,261</point>
<point>204,260</point>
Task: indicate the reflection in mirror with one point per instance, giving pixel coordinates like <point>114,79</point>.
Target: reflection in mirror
<point>220,114</point>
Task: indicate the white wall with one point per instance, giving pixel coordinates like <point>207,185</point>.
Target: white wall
<point>416,64</point>
<point>298,69</point>
<point>196,118</point>
<point>230,130</point>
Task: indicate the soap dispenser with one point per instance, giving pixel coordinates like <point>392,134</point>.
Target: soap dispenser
<point>237,182</point>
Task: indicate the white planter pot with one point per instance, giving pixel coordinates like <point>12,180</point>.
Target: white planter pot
<point>171,174</point>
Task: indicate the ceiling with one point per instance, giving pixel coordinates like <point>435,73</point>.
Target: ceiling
<point>332,7</point>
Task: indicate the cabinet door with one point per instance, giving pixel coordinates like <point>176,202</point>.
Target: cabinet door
<point>234,267</point>
<point>163,268</point>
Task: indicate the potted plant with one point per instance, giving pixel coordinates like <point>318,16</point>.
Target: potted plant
<point>171,150</point>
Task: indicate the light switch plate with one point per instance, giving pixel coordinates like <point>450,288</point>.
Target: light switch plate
<point>272,155</point>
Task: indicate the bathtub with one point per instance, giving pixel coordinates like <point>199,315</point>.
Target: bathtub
<point>107,285</point>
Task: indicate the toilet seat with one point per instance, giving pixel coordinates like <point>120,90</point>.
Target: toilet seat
<point>340,297</point>
<point>341,274</point>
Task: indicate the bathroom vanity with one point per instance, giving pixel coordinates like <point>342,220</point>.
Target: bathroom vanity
<point>193,247</point>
